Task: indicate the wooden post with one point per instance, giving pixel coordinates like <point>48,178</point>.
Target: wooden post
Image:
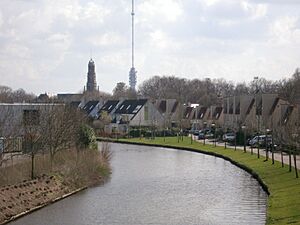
<point>295,163</point>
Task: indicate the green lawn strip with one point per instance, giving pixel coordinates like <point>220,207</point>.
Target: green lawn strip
<point>284,188</point>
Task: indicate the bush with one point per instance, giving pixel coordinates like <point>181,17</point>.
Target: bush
<point>87,137</point>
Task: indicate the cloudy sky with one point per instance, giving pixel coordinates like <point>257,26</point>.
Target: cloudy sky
<point>45,45</point>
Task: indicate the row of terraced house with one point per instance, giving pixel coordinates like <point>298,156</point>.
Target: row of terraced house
<point>255,112</point>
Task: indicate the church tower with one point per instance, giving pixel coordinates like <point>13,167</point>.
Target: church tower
<point>91,84</point>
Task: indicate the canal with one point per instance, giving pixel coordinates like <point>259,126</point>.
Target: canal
<point>162,187</point>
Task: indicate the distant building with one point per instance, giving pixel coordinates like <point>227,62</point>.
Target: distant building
<point>69,97</point>
<point>43,98</point>
<point>91,84</point>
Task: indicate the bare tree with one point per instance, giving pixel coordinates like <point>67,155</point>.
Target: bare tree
<point>32,135</point>
<point>7,95</point>
<point>60,128</point>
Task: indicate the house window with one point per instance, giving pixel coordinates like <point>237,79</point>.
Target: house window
<point>31,117</point>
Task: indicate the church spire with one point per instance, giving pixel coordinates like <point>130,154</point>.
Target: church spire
<point>91,84</point>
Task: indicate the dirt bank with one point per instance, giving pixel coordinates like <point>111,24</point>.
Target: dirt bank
<point>20,199</point>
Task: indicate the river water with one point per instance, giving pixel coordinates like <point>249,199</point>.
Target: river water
<point>162,187</point>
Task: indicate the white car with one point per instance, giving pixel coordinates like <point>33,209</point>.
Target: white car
<point>229,137</point>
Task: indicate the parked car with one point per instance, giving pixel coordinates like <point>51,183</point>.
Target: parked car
<point>260,140</point>
<point>201,135</point>
<point>196,132</point>
<point>205,133</point>
<point>209,135</point>
<point>229,137</point>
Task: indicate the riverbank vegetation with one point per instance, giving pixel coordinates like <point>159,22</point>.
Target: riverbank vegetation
<point>284,199</point>
<point>58,147</point>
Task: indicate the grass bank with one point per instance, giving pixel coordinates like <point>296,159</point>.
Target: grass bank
<point>284,189</point>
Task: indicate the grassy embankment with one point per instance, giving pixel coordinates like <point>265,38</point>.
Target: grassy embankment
<point>284,199</point>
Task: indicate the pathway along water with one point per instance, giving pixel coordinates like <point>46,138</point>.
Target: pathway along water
<point>162,187</point>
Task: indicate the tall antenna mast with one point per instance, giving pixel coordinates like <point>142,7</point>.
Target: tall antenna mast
<point>132,34</point>
<point>132,73</point>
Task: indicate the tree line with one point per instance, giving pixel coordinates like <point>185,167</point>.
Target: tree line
<point>8,95</point>
<point>211,91</point>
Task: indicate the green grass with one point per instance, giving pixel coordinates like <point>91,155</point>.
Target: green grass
<point>284,199</point>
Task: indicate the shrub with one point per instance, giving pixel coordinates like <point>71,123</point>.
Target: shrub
<point>87,137</point>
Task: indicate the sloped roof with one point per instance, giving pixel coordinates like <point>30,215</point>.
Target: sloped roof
<point>75,104</point>
<point>238,108</point>
<point>88,108</point>
<point>109,106</point>
<point>274,106</point>
<point>250,106</point>
<point>287,114</point>
<point>259,107</point>
<point>202,112</point>
<point>174,107</point>
<point>187,112</point>
<point>162,106</point>
<point>131,106</point>
<point>217,112</point>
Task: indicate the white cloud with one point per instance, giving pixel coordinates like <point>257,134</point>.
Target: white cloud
<point>1,19</point>
<point>107,39</point>
<point>285,30</point>
<point>169,10</point>
<point>209,2</point>
<point>256,11</point>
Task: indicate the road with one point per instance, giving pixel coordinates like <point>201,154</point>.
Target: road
<point>262,152</point>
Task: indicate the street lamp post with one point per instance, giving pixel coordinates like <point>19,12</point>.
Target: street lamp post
<point>225,141</point>
<point>235,133</point>
<point>251,147</point>
<point>266,144</point>
<point>244,129</point>
<point>272,139</point>
<point>164,127</point>
<point>257,115</point>
<point>214,126</point>
<point>204,126</point>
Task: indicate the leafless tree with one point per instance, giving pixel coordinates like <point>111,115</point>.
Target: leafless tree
<point>32,135</point>
<point>60,127</point>
<point>7,95</point>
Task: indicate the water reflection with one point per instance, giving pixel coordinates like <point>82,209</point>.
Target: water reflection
<point>162,187</point>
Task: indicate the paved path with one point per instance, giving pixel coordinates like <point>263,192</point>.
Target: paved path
<point>262,152</point>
